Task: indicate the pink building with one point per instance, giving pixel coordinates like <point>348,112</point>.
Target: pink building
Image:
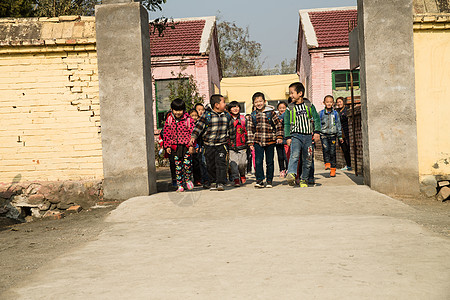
<point>323,53</point>
<point>191,49</point>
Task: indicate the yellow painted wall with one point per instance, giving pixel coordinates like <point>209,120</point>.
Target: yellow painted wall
<point>242,89</point>
<point>432,65</point>
<point>49,113</point>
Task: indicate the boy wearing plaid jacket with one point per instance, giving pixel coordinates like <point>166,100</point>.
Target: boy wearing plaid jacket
<point>217,129</point>
<point>265,130</point>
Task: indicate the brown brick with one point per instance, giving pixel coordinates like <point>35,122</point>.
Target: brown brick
<point>36,198</point>
<point>74,209</point>
<point>53,214</point>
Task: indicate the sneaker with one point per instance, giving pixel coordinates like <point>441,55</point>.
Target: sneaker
<point>344,168</point>
<point>213,187</point>
<point>237,183</point>
<point>303,183</point>
<point>220,187</point>
<point>189,185</point>
<point>197,183</point>
<point>349,169</point>
<point>311,182</point>
<point>269,184</point>
<point>333,172</point>
<point>327,166</point>
<point>291,179</point>
<point>243,179</point>
<point>206,185</point>
<point>259,184</point>
<point>180,189</point>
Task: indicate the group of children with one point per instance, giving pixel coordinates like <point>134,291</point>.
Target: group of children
<point>209,146</point>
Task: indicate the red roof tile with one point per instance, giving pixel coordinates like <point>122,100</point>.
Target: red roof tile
<point>331,27</point>
<point>183,40</point>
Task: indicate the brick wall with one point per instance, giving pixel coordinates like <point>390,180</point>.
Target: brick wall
<point>49,104</point>
<point>340,160</point>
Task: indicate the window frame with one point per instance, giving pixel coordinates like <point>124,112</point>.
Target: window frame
<point>356,83</point>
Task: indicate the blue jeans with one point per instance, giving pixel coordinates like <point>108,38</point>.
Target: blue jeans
<point>269,150</point>
<point>301,144</point>
<point>329,148</point>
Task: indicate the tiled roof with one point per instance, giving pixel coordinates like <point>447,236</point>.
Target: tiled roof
<point>331,27</point>
<point>185,39</point>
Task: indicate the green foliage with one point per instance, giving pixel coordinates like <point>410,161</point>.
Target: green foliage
<point>185,88</point>
<point>286,67</point>
<point>54,8</point>
<point>16,8</point>
<point>153,5</point>
<point>239,55</point>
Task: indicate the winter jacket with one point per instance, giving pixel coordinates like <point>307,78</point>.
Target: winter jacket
<point>266,130</point>
<point>216,128</point>
<point>241,133</point>
<point>178,131</point>
<point>330,122</point>
<point>301,118</point>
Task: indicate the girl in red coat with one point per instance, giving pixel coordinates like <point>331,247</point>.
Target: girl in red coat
<point>177,133</point>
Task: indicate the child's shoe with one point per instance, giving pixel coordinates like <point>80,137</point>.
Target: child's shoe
<point>291,179</point>
<point>259,184</point>
<point>180,189</point>
<point>327,166</point>
<point>220,187</point>
<point>269,184</point>
<point>189,185</point>
<point>333,172</point>
<point>237,183</point>
<point>243,179</point>
<point>303,183</point>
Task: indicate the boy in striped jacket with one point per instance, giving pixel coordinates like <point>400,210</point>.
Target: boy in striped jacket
<point>301,120</point>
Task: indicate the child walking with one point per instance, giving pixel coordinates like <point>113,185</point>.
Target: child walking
<point>300,121</point>
<point>330,130</point>
<point>281,153</point>
<point>177,131</point>
<point>264,131</point>
<point>345,145</point>
<point>238,150</point>
<point>217,128</point>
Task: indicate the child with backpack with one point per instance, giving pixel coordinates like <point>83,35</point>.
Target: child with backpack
<point>330,130</point>
<point>301,120</point>
<point>238,150</point>
<point>177,132</point>
<point>216,127</point>
<point>264,131</point>
<point>281,152</point>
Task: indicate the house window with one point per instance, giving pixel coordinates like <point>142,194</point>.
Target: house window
<point>274,103</point>
<point>341,80</point>
<point>162,92</point>
<point>242,107</point>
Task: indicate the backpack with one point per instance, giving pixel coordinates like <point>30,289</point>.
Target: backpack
<point>242,119</point>
<point>308,105</point>
<point>269,115</point>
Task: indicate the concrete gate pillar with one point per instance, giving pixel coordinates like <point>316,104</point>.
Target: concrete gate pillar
<point>123,50</point>
<point>388,96</point>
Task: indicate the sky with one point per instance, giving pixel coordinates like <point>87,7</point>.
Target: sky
<point>274,24</point>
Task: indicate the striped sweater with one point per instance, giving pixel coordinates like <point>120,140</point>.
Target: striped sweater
<point>301,119</point>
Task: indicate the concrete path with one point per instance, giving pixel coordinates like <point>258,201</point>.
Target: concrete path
<point>339,240</point>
